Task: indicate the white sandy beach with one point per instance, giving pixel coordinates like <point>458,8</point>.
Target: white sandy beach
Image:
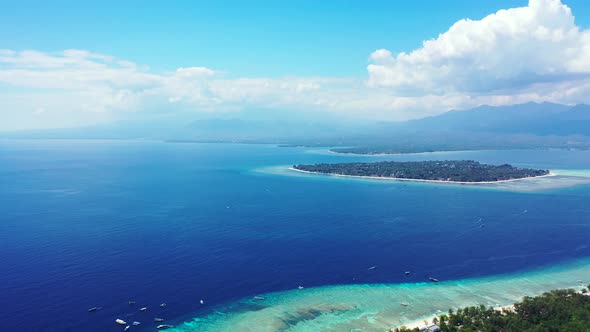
<point>418,323</point>
<point>421,180</point>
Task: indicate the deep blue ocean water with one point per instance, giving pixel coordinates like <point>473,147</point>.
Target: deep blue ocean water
<point>98,223</point>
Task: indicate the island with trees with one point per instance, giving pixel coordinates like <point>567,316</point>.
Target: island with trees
<point>558,310</point>
<point>464,171</point>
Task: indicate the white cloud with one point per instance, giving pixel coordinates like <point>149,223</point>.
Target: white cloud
<point>194,72</point>
<point>100,83</point>
<point>532,53</point>
<point>511,49</point>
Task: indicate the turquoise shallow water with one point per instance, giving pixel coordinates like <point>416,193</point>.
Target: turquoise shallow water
<point>377,307</point>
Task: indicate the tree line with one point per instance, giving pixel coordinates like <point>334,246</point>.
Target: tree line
<point>563,310</point>
<point>446,170</point>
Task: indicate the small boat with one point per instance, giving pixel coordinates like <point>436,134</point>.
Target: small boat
<point>93,309</point>
<point>120,321</point>
<point>372,267</point>
<point>143,309</point>
<point>163,327</point>
<point>258,298</point>
<point>300,287</point>
<point>127,328</point>
<point>131,302</point>
<point>158,319</point>
<point>433,279</point>
<point>405,304</point>
<point>163,305</point>
<point>408,272</point>
<point>202,302</point>
<point>136,323</point>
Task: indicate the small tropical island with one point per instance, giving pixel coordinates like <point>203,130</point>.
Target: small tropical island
<point>462,171</point>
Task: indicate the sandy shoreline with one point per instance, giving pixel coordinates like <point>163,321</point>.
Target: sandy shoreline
<point>418,323</point>
<point>421,180</point>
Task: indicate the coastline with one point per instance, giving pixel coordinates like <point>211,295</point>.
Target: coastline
<point>418,323</point>
<point>376,307</point>
<point>422,180</point>
<point>384,154</point>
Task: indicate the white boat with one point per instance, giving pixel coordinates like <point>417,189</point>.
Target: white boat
<point>120,321</point>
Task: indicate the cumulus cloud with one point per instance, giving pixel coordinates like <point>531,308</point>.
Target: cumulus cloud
<point>82,81</point>
<point>532,53</point>
<point>511,49</point>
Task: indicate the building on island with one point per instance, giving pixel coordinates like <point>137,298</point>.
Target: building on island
<point>430,328</point>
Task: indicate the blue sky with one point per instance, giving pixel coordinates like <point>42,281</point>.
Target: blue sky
<point>276,49</point>
<point>245,38</point>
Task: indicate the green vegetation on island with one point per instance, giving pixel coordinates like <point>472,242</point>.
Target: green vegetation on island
<point>447,170</point>
<point>562,310</point>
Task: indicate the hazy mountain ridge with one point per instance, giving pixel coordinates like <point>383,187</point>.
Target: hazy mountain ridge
<point>526,126</point>
<point>522,126</point>
<point>530,118</point>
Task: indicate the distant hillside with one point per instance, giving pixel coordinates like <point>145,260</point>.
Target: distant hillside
<point>279,128</point>
<point>272,130</point>
<point>530,118</point>
<point>524,126</point>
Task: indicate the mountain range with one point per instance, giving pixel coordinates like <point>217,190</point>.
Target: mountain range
<point>530,125</point>
<point>530,118</point>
